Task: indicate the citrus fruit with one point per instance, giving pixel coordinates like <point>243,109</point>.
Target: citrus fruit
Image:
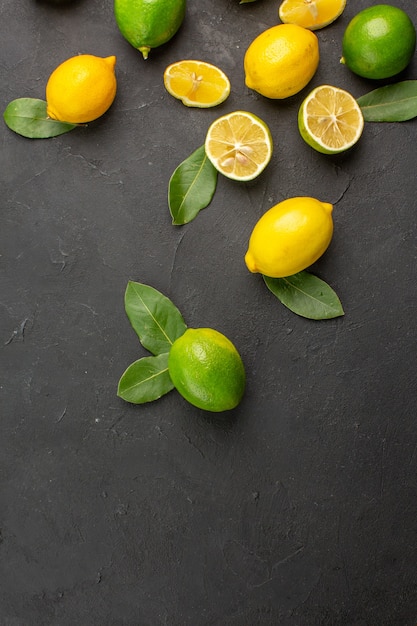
<point>311,14</point>
<point>207,370</point>
<point>379,42</point>
<point>147,24</point>
<point>239,145</point>
<point>330,120</point>
<point>81,89</point>
<point>290,237</point>
<point>197,83</point>
<point>281,61</point>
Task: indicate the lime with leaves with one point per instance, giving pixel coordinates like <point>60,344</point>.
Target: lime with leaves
<point>207,370</point>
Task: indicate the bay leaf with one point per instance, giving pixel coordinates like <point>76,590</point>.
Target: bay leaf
<point>28,117</point>
<point>191,187</point>
<point>145,380</point>
<point>306,295</point>
<point>391,103</point>
<point>154,318</point>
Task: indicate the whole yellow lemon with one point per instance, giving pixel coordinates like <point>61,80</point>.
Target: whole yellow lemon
<point>281,61</point>
<point>290,237</point>
<point>81,89</point>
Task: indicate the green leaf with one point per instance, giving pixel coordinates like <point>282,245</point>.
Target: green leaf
<point>191,187</point>
<point>145,380</point>
<point>155,319</point>
<point>306,295</point>
<point>28,117</point>
<point>392,103</point>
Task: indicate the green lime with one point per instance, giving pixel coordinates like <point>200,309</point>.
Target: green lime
<point>379,42</point>
<point>147,24</point>
<point>207,370</point>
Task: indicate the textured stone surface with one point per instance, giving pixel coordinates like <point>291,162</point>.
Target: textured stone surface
<point>299,507</point>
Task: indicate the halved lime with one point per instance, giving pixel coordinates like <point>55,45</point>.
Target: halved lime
<point>330,120</point>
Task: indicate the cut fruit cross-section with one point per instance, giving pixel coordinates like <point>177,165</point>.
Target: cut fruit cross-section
<point>197,83</point>
<point>330,120</point>
<point>311,14</point>
<point>239,145</point>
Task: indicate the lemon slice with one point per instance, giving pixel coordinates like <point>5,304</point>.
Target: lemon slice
<point>330,120</point>
<point>311,14</point>
<point>197,83</point>
<point>239,145</point>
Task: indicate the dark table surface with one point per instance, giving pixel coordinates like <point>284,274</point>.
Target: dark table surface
<point>299,507</point>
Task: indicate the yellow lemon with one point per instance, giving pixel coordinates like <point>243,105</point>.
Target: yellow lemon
<point>312,14</point>
<point>196,83</point>
<point>281,61</point>
<point>290,237</point>
<point>81,89</point>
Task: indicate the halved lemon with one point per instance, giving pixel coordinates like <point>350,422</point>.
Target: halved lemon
<point>196,83</point>
<point>330,120</point>
<point>239,145</point>
<point>311,14</point>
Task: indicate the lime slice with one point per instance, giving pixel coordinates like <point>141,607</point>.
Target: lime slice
<point>239,145</point>
<point>330,120</point>
<point>311,14</point>
<point>197,83</point>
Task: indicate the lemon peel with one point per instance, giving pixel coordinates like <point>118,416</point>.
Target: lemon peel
<point>290,237</point>
<point>81,89</point>
<point>281,61</point>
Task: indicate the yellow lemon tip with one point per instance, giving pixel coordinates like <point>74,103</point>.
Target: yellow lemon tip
<point>250,262</point>
<point>111,61</point>
<point>327,207</point>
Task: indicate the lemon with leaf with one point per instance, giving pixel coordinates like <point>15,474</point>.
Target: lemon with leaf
<point>81,89</point>
<point>290,237</point>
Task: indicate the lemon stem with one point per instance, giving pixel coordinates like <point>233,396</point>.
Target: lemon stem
<point>145,51</point>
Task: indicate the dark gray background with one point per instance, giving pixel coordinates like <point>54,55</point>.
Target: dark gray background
<point>299,507</point>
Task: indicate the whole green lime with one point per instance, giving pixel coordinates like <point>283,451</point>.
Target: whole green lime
<point>379,42</point>
<point>207,370</point>
<point>147,24</point>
